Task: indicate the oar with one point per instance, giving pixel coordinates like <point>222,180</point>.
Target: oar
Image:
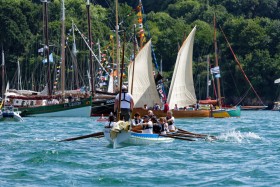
<point>201,135</point>
<point>186,135</point>
<point>97,134</point>
<point>175,137</point>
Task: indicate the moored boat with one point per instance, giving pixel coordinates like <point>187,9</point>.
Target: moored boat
<point>80,108</point>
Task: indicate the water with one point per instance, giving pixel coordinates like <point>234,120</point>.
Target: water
<point>246,154</point>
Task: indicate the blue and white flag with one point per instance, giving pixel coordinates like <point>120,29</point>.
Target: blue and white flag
<point>215,70</point>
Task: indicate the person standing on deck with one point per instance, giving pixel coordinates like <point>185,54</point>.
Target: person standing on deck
<point>127,104</point>
<point>166,107</point>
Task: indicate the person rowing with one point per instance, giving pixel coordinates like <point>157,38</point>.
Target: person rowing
<point>145,127</point>
<point>170,121</point>
<point>136,120</point>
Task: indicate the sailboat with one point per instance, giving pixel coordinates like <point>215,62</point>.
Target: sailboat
<point>7,112</point>
<point>181,90</point>
<point>121,133</point>
<point>52,105</point>
<point>220,112</point>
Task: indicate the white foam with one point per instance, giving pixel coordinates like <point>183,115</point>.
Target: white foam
<point>238,136</point>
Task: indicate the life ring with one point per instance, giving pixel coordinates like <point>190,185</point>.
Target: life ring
<point>88,102</point>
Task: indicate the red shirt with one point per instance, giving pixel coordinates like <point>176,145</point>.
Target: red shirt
<point>166,107</point>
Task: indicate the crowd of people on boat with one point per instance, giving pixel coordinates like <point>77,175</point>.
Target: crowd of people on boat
<point>148,124</point>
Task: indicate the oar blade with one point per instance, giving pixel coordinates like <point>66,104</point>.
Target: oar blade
<point>83,137</point>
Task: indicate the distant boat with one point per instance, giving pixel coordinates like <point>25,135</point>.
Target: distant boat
<point>8,113</point>
<point>46,103</point>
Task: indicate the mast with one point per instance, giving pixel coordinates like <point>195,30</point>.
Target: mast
<point>45,13</point>
<point>217,64</point>
<point>74,51</point>
<point>121,81</point>
<point>134,57</point>
<point>19,77</point>
<point>208,64</point>
<point>117,43</point>
<point>3,76</point>
<point>91,65</point>
<point>63,49</point>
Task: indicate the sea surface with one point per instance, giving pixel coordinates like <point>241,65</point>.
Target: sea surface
<point>247,153</point>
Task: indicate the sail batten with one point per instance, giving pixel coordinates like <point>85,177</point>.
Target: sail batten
<point>144,87</point>
<point>182,90</point>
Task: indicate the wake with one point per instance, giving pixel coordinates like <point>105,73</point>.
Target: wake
<point>237,136</point>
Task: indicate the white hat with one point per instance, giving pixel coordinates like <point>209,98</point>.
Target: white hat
<point>124,87</point>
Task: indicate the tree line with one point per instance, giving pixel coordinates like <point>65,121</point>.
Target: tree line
<point>252,28</point>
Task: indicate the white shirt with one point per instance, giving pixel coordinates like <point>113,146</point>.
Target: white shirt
<point>172,127</point>
<point>148,129</point>
<point>125,101</point>
<point>134,124</point>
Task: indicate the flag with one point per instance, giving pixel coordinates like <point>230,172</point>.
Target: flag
<point>41,50</point>
<point>215,70</point>
<point>50,59</point>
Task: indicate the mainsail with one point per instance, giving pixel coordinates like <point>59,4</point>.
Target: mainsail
<point>144,88</point>
<point>182,91</point>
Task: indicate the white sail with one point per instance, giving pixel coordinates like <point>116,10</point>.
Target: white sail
<point>144,88</point>
<point>182,91</point>
<point>111,84</point>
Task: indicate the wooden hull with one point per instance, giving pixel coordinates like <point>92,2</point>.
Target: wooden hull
<point>80,108</point>
<point>176,113</point>
<point>253,107</point>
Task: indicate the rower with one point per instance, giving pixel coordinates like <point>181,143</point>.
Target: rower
<point>170,121</point>
<point>136,120</point>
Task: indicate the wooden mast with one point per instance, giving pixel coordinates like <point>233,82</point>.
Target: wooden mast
<point>63,50</point>
<point>121,81</point>
<point>207,88</point>
<point>217,64</point>
<point>134,57</point>
<point>46,47</point>
<point>3,76</point>
<point>91,65</point>
<point>117,43</point>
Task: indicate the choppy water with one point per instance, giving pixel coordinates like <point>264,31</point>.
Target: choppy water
<point>246,154</point>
